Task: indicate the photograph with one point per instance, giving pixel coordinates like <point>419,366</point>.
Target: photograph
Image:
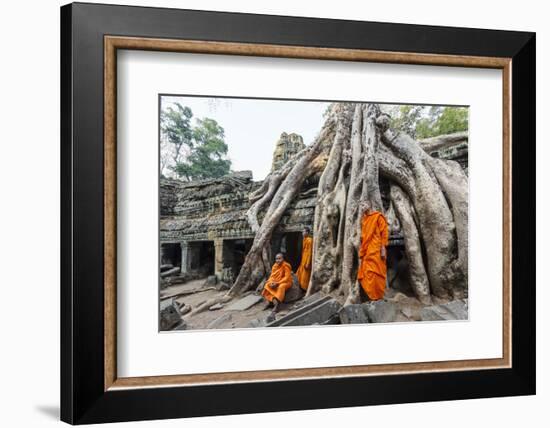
<point>295,213</point>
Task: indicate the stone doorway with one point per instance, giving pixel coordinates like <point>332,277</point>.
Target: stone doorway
<point>170,254</point>
<point>398,270</point>
<point>237,251</point>
<point>291,247</point>
<point>201,257</point>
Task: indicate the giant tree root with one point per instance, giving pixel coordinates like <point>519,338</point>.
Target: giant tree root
<point>417,271</point>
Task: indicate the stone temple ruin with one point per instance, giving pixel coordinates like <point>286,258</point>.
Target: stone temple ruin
<point>204,230</point>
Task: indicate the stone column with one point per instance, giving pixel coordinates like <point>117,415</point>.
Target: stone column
<point>185,257</point>
<point>218,256</point>
<point>283,246</point>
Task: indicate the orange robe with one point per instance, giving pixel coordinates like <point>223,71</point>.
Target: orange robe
<point>372,268</point>
<point>304,270</point>
<point>282,275</point>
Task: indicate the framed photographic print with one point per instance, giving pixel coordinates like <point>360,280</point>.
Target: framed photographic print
<point>277,213</point>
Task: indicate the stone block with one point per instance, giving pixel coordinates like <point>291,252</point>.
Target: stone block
<point>170,314</point>
<point>307,300</point>
<point>380,311</point>
<point>411,314</point>
<point>170,272</point>
<point>211,281</point>
<point>353,314</point>
<point>455,310</point>
<point>322,311</point>
<point>219,322</point>
<point>295,292</point>
<point>261,322</point>
<point>244,303</point>
<point>165,267</point>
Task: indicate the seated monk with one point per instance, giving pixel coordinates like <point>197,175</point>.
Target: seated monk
<point>278,282</point>
<point>372,254</point>
<point>304,270</point>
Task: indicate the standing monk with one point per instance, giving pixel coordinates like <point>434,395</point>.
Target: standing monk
<point>372,254</point>
<point>278,282</point>
<point>304,270</point>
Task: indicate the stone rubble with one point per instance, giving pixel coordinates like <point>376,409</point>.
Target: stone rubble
<point>454,310</point>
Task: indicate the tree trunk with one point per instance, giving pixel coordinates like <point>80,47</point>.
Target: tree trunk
<point>364,191</point>
<point>328,229</point>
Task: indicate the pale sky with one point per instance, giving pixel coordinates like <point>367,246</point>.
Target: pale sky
<point>253,126</point>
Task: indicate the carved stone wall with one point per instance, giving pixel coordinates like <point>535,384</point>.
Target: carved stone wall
<point>451,146</point>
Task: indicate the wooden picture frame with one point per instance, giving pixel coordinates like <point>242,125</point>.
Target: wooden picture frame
<point>91,390</point>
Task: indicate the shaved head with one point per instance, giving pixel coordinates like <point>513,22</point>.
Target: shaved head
<point>279,258</point>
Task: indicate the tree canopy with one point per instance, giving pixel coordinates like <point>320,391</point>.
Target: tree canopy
<point>424,122</point>
<point>192,151</point>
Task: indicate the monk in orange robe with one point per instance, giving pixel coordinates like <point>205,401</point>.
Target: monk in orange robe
<point>304,270</point>
<point>372,254</point>
<point>278,282</point>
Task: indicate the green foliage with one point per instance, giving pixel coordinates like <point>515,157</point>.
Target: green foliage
<point>207,158</point>
<point>424,122</point>
<point>200,150</point>
<point>407,118</point>
<point>451,119</point>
